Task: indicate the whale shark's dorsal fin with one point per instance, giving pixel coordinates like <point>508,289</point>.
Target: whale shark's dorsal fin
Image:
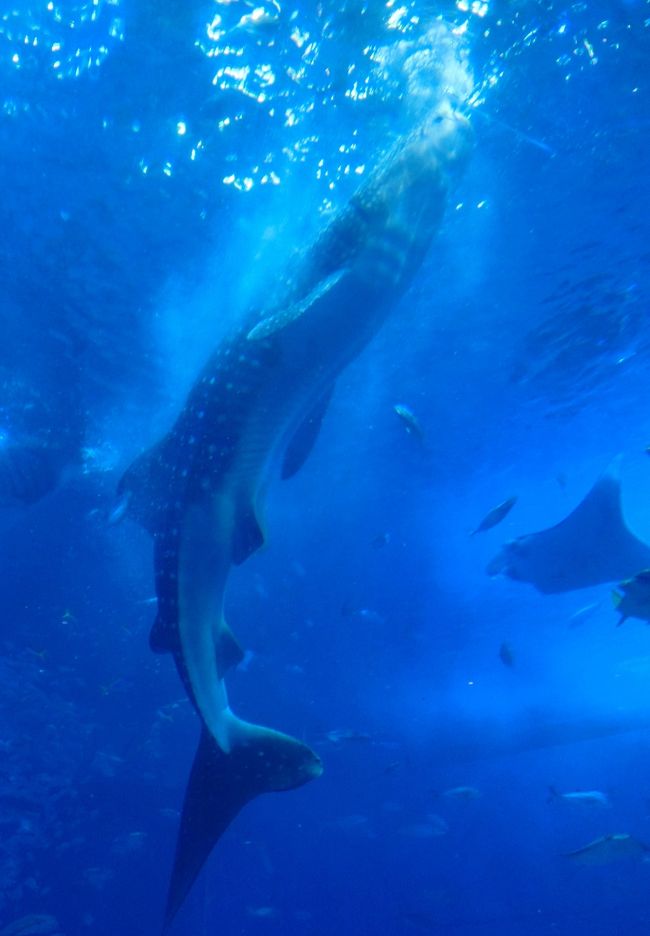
<point>592,545</point>
<point>304,439</point>
<point>220,785</point>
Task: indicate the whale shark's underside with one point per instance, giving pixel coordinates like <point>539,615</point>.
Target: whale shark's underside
<point>589,547</point>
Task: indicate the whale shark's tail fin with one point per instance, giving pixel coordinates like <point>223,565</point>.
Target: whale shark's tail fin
<point>220,785</point>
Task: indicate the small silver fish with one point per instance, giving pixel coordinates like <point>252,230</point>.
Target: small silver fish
<point>410,420</point>
<point>262,913</point>
<point>583,614</point>
<point>352,822</point>
<point>433,827</point>
<point>494,516</point>
<point>506,655</point>
<point>581,797</point>
<point>380,540</point>
<point>346,734</point>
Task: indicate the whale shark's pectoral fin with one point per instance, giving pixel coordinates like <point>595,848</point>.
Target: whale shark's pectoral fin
<point>300,447</point>
<point>285,316</point>
<point>220,785</point>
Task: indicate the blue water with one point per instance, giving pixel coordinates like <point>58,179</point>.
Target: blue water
<point>156,173</point>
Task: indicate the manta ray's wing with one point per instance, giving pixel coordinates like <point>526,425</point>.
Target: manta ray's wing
<point>220,785</point>
<point>591,546</point>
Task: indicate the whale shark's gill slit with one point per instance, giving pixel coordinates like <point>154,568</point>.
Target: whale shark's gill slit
<point>219,787</point>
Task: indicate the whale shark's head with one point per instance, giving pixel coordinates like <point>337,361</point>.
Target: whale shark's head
<point>433,155</point>
<point>403,201</point>
<point>440,147</point>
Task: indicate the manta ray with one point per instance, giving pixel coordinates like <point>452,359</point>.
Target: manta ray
<point>258,404</point>
<point>609,848</point>
<point>589,547</point>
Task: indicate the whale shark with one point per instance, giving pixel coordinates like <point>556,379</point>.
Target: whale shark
<point>591,546</point>
<point>256,407</point>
